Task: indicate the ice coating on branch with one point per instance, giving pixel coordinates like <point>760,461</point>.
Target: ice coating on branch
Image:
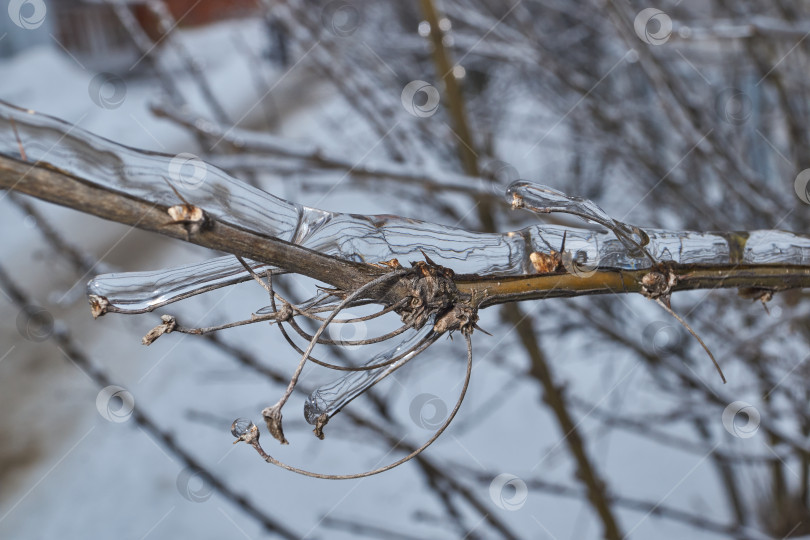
<point>125,291</point>
<point>331,397</point>
<point>228,200</point>
<point>544,200</point>
<point>355,237</point>
<point>155,177</point>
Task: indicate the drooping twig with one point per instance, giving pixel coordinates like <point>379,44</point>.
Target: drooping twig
<point>251,436</point>
<point>390,436</point>
<point>272,415</point>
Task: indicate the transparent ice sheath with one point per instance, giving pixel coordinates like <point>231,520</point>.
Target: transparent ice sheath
<point>355,237</point>
<point>359,238</point>
<point>331,398</point>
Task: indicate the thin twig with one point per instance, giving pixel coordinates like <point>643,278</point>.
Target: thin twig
<point>669,310</point>
<point>436,435</point>
<point>379,281</point>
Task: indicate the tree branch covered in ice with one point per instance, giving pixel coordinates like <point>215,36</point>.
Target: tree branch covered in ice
<point>680,120</point>
<point>186,198</point>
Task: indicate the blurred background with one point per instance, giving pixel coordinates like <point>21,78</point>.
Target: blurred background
<point>586,418</point>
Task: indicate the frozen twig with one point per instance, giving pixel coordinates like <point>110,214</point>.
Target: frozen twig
<point>253,438</point>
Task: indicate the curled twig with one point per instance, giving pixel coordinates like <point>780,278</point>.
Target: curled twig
<point>251,436</point>
<point>286,314</point>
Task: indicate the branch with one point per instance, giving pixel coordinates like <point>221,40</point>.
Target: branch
<point>495,290</point>
<point>53,185</point>
<point>98,177</point>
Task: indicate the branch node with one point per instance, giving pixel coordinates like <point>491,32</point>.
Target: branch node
<point>192,218</point>
<point>285,314</point>
<point>460,317</point>
<point>658,284</point>
<point>245,431</point>
<point>517,201</point>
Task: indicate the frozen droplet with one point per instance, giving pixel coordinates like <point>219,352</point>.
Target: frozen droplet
<point>424,29</point>
<point>241,426</point>
<point>445,25</point>
<point>314,407</point>
<point>459,72</point>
